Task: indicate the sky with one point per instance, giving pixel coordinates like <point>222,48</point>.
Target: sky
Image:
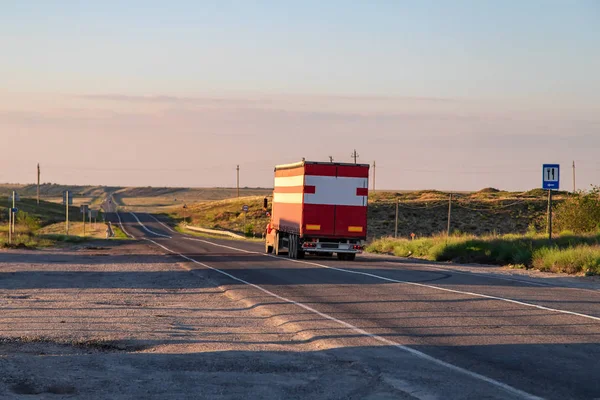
<point>448,95</point>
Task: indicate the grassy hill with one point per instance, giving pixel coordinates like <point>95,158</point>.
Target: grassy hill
<point>141,199</point>
<point>164,200</point>
<point>488,211</point>
<point>226,215</point>
<point>424,213</point>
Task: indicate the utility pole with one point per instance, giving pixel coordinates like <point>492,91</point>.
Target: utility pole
<point>396,228</point>
<point>14,217</point>
<point>83,223</point>
<point>238,181</point>
<point>550,215</point>
<point>354,155</point>
<point>449,214</point>
<point>374,169</point>
<point>574,187</point>
<point>38,184</point>
<point>67,193</point>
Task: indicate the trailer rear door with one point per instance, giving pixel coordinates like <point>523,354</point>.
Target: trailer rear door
<point>337,196</point>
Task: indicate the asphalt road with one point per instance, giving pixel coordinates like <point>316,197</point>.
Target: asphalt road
<point>430,331</point>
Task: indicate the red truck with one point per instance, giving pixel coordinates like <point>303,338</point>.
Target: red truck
<point>319,208</point>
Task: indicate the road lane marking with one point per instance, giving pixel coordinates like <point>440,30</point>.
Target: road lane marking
<point>147,229</point>
<point>381,339</point>
<point>479,275</point>
<point>122,227</point>
<point>409,283</point>
<point>163,224</point>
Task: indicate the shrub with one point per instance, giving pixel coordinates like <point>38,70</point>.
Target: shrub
<point>572,260</point>
<point>579,213</point>
<point>568,253</point>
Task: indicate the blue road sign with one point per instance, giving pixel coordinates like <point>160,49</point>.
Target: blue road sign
<point>14,210</point>
<point>550,176</point>
<point>245,208</point>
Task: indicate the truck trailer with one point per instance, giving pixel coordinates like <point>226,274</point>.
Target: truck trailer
<point>319,208</point>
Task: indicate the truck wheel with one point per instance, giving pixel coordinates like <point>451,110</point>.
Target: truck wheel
<point>293,247</point>
<point>301,255</point>
<point>268,249</point>
<point>351,257</point>
<point>341,256</point>
<point>276,244</point>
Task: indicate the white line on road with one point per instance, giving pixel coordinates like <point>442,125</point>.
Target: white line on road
<point>478,274</point>
<point>410,283</point>
<point>146,228</point>
<point>381,339</point>
<point>163,224</point>
<point>122,227</point>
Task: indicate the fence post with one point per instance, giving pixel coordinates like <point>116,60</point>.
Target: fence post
<point>449,214</point>
<point>396,226</point>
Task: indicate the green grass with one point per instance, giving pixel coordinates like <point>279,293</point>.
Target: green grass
<point>579,259</point>
<point>567,253</point>
<point>227,215</point>
<point>56,237</point>
<point>26,240</point>
<point>43,225</point>
<point>182,229</point>
<point>119,234</point>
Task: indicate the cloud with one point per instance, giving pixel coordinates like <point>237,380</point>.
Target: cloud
<point>167,99</point>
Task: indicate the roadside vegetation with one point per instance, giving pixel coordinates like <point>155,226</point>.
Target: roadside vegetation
<point>575,249</point>
<point>227,215</point>
<point>568,253</point>
<point>43,225</point>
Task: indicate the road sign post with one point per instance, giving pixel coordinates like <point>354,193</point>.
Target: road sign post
<point>550,215</point>
<point>67,201</point>
<point>93,214</point>
<point>9,226</point>
<point>15,198</point>
<point>245,209</point>
<point>84,210</point>
<point>550,181</point>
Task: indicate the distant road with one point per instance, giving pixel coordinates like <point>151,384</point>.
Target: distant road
<point>447,334</point>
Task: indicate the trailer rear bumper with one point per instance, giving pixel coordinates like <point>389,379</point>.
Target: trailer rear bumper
<point>332,247</point>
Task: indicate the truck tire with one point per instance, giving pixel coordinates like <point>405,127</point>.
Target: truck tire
<point>277,243</point>
<point>268,249</point>
<point>293,251</point>
<point>291,246</point>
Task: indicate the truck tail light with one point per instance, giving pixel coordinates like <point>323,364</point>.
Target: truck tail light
<point>357,247</point>
<point>309,244</point>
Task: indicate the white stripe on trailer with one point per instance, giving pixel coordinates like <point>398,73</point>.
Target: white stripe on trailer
<point>288,198</point>
<point>289,181</point>
<point>331,190</point>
